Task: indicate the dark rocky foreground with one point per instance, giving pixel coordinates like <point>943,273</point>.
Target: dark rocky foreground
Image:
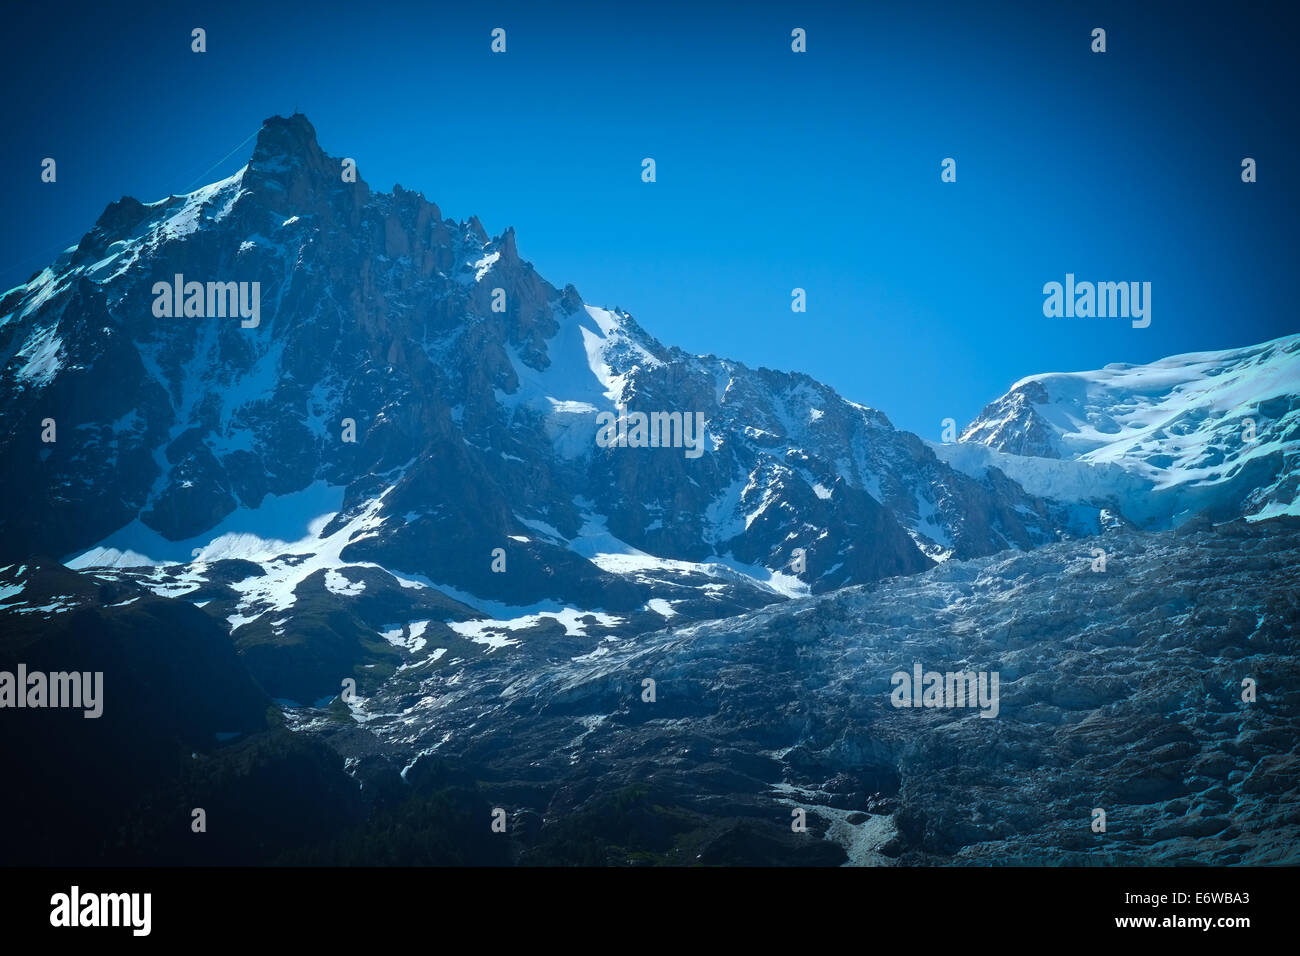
<point>1119,690</point>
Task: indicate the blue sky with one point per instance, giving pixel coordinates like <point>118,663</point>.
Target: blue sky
<point>775,170</point>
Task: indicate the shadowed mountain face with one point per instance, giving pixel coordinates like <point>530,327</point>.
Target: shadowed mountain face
<point>329,435</point>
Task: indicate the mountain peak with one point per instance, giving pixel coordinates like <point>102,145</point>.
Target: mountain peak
<point>288,160</point>
<point>286,137</point>
<point>506,246</point>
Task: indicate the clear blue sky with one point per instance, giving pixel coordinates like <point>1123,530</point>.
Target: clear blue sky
<point>775,170</point>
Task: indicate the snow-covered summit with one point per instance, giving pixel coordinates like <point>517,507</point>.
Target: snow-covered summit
<point>1219,428</point>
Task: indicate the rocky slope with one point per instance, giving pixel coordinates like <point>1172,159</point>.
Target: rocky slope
<point>1119,690</point>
